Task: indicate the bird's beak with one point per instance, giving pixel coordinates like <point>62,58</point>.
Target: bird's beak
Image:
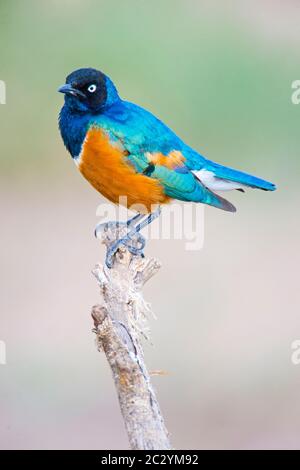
<point>69,90</point>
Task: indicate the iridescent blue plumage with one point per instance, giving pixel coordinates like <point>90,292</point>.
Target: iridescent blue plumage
<point>141,132</point>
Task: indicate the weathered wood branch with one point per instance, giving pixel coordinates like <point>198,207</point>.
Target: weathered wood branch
<point>120,321</point>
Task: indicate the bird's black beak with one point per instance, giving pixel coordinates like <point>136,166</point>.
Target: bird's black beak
<point>67,89</point>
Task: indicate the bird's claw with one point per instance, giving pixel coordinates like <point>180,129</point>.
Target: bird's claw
<point>127,234</point>
<point>130,243</point>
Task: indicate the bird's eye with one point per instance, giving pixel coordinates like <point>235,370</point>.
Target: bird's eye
<point>92,88</point>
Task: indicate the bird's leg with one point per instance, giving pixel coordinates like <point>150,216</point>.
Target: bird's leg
<point>129,238</point>
<point>135,218</point>
<point>152,216</point>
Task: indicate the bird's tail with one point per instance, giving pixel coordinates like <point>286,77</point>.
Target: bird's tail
<point>215,200</point>
<point>214,177</point>
<point>237,176</point>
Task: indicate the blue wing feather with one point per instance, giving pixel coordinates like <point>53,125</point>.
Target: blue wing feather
<point>140,132</point>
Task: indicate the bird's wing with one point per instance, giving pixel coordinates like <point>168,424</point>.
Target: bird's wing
<point>153,149</point>
<point>143,135</point>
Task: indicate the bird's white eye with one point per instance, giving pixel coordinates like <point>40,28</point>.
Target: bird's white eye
<point>92,88</point>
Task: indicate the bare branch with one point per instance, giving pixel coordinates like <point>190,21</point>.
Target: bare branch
<point>119,322</point>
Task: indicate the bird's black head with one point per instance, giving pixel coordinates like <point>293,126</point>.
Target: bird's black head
<point>88,90</point>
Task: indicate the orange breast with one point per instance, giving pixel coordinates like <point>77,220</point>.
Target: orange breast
<point>104,166</point>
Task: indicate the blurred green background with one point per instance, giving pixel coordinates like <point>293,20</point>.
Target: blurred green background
<point>218,73</point>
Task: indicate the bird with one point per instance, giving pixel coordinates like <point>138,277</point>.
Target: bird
<point>127,154</point>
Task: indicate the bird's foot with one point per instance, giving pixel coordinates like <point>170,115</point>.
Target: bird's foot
<point>134,244</point>
<point>117,234</point>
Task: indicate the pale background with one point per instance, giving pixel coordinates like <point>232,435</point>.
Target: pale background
<point>220,74</point>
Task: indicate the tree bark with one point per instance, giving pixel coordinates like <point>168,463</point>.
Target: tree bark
<point>120,322</point>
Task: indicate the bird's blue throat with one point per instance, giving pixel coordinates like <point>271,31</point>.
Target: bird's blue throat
<point>73,126</point>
